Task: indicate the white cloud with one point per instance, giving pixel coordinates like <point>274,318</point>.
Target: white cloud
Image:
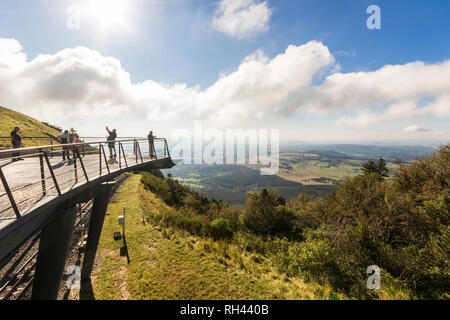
<point>365,118</point>
<point>242,18</point>
<point>393,85</point>
<point>415,128</point>
<point>11,54</point>
<point>80,82</point>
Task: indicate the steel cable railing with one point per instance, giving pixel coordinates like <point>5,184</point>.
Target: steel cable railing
<point>43,172</point>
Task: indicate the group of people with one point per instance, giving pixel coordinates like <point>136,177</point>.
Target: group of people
<point>67,138</point>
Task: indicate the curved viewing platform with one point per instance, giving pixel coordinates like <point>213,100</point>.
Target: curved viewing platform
<point>41,176</point>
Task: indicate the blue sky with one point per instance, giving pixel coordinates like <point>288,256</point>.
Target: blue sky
<point>177,42</point>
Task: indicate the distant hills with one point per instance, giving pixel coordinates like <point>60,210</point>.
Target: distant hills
<point>232,182</point>
<point>363,152</point>
<point>311,169</point>
<point>29,126</point>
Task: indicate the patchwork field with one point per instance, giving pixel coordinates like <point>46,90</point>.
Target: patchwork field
<point>314,169</point>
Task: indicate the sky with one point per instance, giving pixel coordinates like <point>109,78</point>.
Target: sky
<point>311,68</point>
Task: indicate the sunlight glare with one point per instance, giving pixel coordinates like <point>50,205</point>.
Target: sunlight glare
<point>109,13</point>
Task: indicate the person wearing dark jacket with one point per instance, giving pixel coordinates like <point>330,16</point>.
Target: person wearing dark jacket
<point>112,143</point>
<point>65,139</point>
<point>151,145</point>
<point>16,141</point>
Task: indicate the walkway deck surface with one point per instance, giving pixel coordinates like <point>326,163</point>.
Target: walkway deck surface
<point>24,179</point>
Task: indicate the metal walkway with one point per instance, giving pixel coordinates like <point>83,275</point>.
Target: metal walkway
<point>41,191</point>
<point>43,175</point>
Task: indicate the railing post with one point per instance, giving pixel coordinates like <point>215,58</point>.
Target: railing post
<point>41,163</point>
<point>120,161</point>
<point>140,153</point>
<point>124,156</point>
<point>49,165</point>
<point>106,160</point>
<point>100,159</point>
<point>75,164</point>
<point>167,147</point>
<point>9,193</point>
<point>136,149</point>
<point>82,164</point>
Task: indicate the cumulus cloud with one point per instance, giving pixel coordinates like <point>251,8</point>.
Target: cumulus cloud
<point>11,55</point>
<point>415,128</point>
<point>402,87</point>
<point>80,82</point>
<point>242,18</point>
<point>365,117</point>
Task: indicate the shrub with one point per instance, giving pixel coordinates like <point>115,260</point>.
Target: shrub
<point>220,229</point>
<point>192,225</point>
<point>265,213</point>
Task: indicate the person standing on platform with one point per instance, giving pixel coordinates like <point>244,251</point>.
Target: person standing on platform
<point>112,143</point>
<point>64,139</point>
<point>151,145</point>
<point>16,141</point>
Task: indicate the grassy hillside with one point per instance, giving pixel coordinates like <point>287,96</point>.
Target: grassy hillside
<point>184,246</point>
<point>171,264</point>
<point>30,127</point>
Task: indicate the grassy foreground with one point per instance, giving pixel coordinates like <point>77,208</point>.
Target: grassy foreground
<point>168,264</point>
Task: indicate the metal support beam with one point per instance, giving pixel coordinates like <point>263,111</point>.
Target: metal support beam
<point>95,229</point>
<point>77,152</point>
<point>124,156</point>
<point>106,160</point>
<point>9,193</point>
<point>53,248</point>
<point>50,168</point>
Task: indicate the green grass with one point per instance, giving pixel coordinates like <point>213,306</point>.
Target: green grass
<point>29,127</point>
<point>321,169</point>
<point>169,264</point>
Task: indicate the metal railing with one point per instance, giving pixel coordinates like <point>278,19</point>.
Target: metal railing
<point>41,172</point>
<point>5,142</point>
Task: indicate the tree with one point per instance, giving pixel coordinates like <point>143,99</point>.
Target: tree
<point>379,168</point>
<point>369,167</point>
<point>266,214</point>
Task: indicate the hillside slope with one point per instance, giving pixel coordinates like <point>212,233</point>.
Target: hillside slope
<point>30,127</point>
<point>170,265</point>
